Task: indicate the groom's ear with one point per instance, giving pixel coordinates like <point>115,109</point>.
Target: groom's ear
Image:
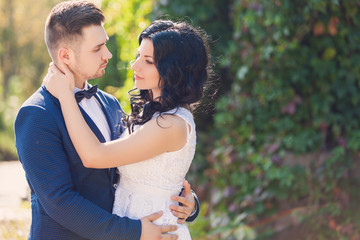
<point>64,55</point>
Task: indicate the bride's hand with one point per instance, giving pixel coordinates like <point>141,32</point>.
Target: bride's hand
<point>57,82</point>
<point>188,204</point>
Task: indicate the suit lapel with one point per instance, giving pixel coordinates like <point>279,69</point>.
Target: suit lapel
<point>92,125</point>
<point>113,122</point>
<point>111,117</point>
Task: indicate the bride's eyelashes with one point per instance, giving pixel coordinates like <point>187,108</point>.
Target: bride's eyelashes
<point>138,56</point>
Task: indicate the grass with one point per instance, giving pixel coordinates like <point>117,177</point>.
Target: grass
<point>16,229</point>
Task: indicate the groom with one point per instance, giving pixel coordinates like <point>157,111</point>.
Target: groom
<point>70,201</point>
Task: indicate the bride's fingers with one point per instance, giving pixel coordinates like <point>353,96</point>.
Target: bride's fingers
<point>187,188</point>
<point>60,66</point>
<point>182,209</point>
<point>56,69</point>
<point>50,68</point>
<point>181,220</point>
<point>168,228</point>
<point>168,237</point>
<point>47,76</point>
<point>65,69</point>
<point>180,215</point>
<point>154,216</point>
<point>67,72</point>
<point>184,201</point>
<point>53,68</point>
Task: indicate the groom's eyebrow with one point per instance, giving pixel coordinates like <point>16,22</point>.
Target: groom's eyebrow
<point>101,44</point>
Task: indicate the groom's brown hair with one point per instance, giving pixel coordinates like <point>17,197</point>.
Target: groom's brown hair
<point>66,21</point>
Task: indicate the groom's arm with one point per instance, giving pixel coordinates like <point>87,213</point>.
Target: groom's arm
<point>41,152</point>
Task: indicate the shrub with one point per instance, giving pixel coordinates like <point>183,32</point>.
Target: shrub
<point>291,70</point>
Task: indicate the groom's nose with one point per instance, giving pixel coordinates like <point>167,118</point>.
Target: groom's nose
<point>107,54</point>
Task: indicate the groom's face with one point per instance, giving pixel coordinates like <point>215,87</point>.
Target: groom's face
<point>91,55</point>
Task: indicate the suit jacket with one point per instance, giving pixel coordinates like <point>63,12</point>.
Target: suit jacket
<point>68,201</point>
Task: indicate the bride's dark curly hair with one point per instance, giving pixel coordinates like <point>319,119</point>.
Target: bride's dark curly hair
<point>181,56</point>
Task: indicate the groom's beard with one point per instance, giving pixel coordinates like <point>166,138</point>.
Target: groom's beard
<point>100,72</point>
<point>81,76</point>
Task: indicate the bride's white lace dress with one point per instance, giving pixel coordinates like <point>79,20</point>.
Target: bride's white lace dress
<point>146,187</point>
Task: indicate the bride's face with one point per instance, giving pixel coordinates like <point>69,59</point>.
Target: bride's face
<point>146,75</point>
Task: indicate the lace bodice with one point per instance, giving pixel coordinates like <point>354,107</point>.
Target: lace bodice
<point>146,187</point>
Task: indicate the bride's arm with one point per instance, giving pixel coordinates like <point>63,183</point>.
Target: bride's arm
<point>159,135</point>
<point>148,141</point>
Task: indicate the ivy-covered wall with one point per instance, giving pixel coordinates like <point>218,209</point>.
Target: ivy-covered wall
<point>286,122</point>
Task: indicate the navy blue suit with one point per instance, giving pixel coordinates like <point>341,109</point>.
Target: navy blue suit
<point>68,201</point>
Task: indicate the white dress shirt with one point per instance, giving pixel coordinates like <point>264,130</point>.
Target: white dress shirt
<point>93,108</point>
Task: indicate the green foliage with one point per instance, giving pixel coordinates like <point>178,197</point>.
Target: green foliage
<point>14,229</point>
<point>8,111</point>
<point>219,227</point>
<point>18,228</point>
<point>124,22</point>
<point>23,60</point>
<point>289,85</point>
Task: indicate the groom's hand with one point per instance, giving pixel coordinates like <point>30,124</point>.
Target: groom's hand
<point>151,231</point>
<point>188,204</point>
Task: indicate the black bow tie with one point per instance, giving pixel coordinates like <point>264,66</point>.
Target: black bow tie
<point>86,93</point>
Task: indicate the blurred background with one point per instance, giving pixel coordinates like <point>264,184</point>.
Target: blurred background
<point>278,145</point>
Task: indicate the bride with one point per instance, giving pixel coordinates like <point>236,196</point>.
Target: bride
<point>170,69</point>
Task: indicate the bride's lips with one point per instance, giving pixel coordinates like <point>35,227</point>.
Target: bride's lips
<point>136,77</point>
<point>103,66</point>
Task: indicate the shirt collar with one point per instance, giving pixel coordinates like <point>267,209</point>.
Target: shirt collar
<point>87,86</point>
